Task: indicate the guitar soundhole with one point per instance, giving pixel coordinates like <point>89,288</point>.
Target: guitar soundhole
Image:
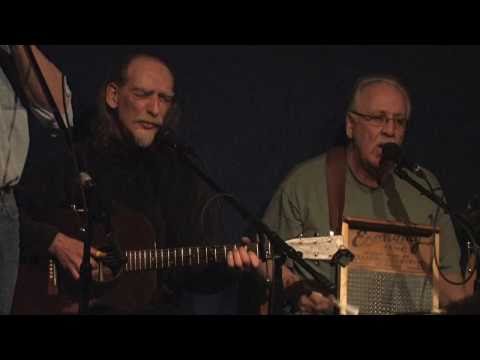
<point>104,277</point>
<point>110,266</point>
<point>103,273</point>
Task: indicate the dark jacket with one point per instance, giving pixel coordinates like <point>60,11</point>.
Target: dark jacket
<point>152,183</point>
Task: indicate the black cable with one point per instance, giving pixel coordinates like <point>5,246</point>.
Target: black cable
<point>401,173</point>
<point>207,204</point>
<point>436,258</point>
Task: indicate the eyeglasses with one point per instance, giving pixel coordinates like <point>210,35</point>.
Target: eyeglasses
<point>381,120</point>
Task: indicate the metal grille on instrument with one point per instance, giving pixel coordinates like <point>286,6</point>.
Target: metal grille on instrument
<point>389,293</point>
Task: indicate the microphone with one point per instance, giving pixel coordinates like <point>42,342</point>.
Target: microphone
<point>394,153</point>
<point>168,137</point>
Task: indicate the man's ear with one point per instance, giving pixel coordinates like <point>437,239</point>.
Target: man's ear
<point>349,127</point>
<point>111,95</point>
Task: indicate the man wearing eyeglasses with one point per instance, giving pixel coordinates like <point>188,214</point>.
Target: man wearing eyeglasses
<point>378,113</point>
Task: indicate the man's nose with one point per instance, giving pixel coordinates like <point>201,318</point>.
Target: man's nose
<point>154,107</point>
<point>390,127</point>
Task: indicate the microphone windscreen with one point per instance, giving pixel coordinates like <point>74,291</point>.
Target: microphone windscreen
<point>392,152</point>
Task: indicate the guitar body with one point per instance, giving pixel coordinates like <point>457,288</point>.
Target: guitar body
<point>34,293</point>
<point>44,287</point>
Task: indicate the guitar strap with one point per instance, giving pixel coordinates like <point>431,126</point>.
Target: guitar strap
<point>336,165</point>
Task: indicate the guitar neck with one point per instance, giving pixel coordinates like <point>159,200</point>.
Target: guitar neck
<point>157,259</point>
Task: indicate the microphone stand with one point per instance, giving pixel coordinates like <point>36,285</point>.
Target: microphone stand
<point>281,248</point>
<point>85,190</point>
<point>471,243</point>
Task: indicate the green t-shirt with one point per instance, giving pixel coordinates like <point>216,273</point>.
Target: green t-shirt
<point>300,206</point>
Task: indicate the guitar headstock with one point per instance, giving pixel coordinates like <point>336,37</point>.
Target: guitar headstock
<point>317,248</point>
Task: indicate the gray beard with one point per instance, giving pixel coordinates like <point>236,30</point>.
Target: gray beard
<point>143,142</point>
<point>139,141</point>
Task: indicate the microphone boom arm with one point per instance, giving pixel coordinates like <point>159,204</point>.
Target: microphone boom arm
<point>277,242</point>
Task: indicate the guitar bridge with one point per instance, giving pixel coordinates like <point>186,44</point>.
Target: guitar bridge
<point>52,278</point>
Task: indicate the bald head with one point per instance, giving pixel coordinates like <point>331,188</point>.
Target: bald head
<point>392,87</point>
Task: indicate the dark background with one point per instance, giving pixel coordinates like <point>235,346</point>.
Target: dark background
<point>253,112</point>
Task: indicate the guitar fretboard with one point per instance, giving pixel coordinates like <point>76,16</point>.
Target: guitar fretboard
<point>155,259</point>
